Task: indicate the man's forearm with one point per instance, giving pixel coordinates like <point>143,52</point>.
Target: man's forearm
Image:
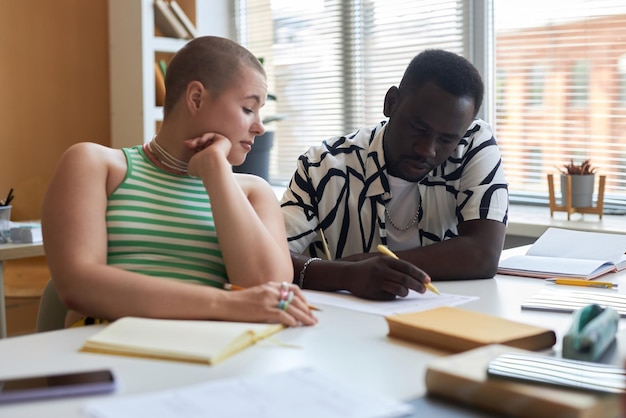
<point>473,255</point>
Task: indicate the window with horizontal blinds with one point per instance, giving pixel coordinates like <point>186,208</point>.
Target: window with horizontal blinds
<point>560,68</point>
<point>330,62</point>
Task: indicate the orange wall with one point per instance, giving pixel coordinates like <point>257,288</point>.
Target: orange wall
<point>54,90</point>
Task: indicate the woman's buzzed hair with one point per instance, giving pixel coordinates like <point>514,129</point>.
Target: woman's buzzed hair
<point>450,71</point>
<point>211,60</point>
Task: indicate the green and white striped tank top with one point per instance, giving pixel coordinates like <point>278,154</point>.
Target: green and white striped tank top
<point>160,224</point>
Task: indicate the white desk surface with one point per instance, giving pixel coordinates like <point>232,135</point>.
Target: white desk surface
<point>13,251</point>
<point>347,344</point>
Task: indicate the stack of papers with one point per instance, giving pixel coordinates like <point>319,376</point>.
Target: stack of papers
<point>303,393</point>
<point>413,302</point>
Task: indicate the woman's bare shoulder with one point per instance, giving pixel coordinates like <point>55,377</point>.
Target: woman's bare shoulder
<point>89,148</point>
<point>92,163</point>
<point>92,153</point>
<point>250,183</point>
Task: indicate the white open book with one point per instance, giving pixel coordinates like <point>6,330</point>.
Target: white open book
<point>568,253</point>
<point>184,340</point>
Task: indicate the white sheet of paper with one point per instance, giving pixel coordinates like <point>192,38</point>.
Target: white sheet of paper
<point>413,302</point>
<point>303,393</point>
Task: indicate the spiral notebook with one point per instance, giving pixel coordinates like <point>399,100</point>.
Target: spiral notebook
<point>576,374</point>
<point>569,301</point>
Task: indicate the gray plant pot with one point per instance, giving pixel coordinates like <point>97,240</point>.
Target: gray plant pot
<point>582,190</point>
<point>258,160</point>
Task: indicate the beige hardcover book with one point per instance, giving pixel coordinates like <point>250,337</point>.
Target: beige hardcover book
<point>455,330</point>
<point>183,18</point>
<point>167,23</point>
<point>463,378</point>
<point>194,341</point>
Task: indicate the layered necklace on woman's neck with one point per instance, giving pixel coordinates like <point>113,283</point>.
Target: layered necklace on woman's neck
<point>166,159</point>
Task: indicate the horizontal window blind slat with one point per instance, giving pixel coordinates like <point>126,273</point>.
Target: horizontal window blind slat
<point>569,107</point>
<point>559,86</point>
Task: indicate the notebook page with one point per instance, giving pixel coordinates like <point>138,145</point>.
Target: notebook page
<point>565,243</point>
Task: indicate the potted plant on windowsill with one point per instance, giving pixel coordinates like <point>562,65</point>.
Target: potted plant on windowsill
<point>581,180</point>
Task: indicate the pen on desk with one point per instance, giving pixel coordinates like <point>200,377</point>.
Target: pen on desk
<point>230,286</point>
<point>388,252</point>
<point>325,245</point>
<point>584,283</point>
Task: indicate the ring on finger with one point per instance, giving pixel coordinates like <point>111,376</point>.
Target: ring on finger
<point>282,305</point>
<point>284,286</point>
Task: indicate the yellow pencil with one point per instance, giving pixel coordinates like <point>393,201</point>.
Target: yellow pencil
<point>582,282</point>
<point>388,252</point>
<point>325,245</point>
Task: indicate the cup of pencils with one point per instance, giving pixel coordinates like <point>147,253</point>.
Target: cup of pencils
<point>5,218</point>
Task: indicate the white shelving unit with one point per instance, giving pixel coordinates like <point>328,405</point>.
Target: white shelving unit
<point>133,48</point>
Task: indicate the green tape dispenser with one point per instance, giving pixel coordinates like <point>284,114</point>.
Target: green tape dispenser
<point>593,329</point>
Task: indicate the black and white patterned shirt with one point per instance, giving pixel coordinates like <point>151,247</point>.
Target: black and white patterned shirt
<point>342,187</point>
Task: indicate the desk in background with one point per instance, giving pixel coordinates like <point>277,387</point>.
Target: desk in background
<point>350,345</point>
<point>12,252</point>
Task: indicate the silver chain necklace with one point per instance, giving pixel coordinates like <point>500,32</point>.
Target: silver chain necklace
<point>407,226</point>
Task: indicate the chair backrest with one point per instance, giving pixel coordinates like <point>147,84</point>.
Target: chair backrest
<point>51,313</point>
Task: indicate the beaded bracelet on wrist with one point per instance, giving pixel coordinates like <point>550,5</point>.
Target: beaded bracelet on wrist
<point>303,271</point>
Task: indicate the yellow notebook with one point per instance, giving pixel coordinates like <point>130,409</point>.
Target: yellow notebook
<point>183,340</point>
<point>455,330</point>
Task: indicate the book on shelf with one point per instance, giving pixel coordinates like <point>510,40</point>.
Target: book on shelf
<point>162,66</point>
<point>455,330</point>
<point>569,253</point>
<point>159,85</point>
<point>26,232</point>
<point>167,23</point>
<point>196,341</point>
<point>463,378</point>
<point>183,19</point>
